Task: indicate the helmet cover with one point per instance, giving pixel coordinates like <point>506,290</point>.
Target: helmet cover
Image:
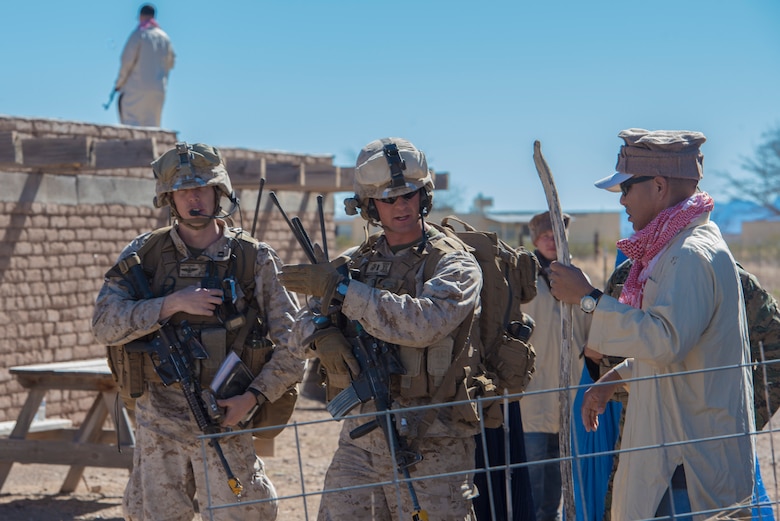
<point>189,166</point>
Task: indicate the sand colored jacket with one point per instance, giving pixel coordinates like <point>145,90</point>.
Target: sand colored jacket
<point>147,59</point>
<point>692,319</point>
<point>541,412</point>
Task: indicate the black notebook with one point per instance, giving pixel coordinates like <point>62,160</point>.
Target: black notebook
<point>233,378</point>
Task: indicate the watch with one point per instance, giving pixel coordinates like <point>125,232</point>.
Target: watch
<point>589,302</point>
<point>258,395</point>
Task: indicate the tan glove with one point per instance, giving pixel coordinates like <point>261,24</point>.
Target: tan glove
<point>336,356</point>
<point>317,280</point>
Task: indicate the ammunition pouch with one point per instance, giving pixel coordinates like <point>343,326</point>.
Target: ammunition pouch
<point>479,385</point>
<point>275,413</point>
<point>128,372</point>
<point>513,362</point>
<point>271,413</point>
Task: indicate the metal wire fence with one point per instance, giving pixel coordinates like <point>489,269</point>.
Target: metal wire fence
<point>300,494</point>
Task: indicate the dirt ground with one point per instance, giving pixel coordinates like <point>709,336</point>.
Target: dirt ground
<point>31,491</point>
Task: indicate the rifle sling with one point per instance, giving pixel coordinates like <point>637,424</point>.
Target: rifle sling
<point>238,342</point>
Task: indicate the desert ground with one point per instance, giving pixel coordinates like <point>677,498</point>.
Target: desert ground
<point>31,491</point>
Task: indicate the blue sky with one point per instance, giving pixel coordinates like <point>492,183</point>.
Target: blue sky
<point>473,84</point>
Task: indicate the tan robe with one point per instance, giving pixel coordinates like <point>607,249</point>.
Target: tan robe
<point>692,319</point>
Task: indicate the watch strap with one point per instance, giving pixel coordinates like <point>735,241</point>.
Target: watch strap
<point>259,396</point>
<point>596,294</point>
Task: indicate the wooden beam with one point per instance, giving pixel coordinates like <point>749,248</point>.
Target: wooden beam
<point>283,176</point>
<point>9,151</point>
<point>441,181</point>
<point>123,153</point>
<point>66,152</point>
<point>65,453</point>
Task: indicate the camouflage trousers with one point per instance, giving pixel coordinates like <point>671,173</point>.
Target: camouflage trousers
<point>167,472</point>
<point>444,498</point>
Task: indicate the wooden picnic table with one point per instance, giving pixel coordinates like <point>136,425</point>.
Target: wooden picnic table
<point>87,446</point>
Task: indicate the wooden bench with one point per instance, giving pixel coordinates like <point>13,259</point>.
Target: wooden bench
<point>47,424</point>
<point>55,442</point>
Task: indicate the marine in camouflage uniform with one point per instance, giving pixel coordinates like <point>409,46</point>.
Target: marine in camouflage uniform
<point>763,317</point>
<point>186,265</point>
<point>420,320</point>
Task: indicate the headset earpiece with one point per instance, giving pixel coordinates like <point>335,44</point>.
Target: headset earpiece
<point>425,202</point>
<point>371,210</point>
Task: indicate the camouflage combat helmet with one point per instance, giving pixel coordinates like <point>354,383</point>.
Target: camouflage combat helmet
<point>189,166</point>
<point>385,168</point>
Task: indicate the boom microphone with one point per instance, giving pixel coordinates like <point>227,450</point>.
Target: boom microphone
<point>198,213</point>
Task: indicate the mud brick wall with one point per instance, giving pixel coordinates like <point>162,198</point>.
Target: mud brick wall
<point>73,195</point>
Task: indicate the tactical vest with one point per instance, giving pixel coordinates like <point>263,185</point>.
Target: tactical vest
<point>425,367</point>
<point>167,271</point>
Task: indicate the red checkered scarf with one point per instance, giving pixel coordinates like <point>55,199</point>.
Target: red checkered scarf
<point>151,22</point>
<point>644,246</point>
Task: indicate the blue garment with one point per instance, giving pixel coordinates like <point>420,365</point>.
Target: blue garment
<point>763,512</point>
<point>522,503</point>
<point>675,501</point>
<point>591,474</point>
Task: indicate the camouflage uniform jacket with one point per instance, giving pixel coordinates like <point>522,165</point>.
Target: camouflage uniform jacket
<point>428,314</point>
<point>119,317</point>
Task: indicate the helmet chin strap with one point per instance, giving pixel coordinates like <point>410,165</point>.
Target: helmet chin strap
<point>424,238</point>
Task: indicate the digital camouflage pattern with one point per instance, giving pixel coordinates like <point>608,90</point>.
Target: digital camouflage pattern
<point>119,317</point>
<point>168,468</point>
<point>763,317</point>
<point>445,498</point>
<point>202,165</point>
<point>168,461</point>
<point>417,315</point>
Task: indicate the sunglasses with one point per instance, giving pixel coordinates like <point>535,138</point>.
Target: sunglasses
<point>626,185</point>
<point>392,200</point>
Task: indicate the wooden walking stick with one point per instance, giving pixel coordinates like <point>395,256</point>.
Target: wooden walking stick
<point>562,248</point>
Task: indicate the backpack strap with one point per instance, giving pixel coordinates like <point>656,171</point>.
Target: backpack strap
<point>439,249</point>
<point>447,382</point>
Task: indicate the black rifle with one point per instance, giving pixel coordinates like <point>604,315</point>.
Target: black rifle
<point>173,354</point>
<point>378,360</point>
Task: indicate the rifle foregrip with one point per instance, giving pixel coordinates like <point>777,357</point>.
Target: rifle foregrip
<point>359,432</point>
<point>197,410</point>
